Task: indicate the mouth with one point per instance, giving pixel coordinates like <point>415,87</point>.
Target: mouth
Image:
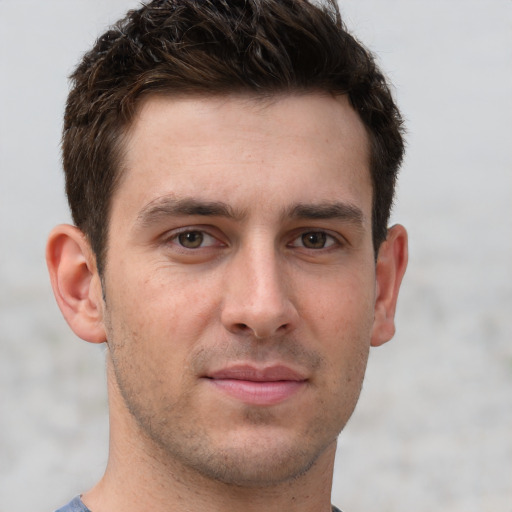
<point>258,386</point>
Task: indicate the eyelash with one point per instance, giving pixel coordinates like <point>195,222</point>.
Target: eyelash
<point>175,239</point>
<point>330,240</point>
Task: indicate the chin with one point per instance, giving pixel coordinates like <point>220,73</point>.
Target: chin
<point>260,460</point>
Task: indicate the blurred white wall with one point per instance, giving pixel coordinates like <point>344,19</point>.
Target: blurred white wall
<point>433,430</point>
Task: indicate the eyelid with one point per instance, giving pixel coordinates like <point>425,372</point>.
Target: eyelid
<point>171,237</point>
<point>338,239</point>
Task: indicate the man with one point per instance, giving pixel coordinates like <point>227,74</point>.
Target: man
<point>230,169</point>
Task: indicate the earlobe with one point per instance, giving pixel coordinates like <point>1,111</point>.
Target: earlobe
<point>391,265</point>
<point>75,282</point>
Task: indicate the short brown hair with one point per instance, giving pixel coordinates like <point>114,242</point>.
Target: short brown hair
<point>262,47</point>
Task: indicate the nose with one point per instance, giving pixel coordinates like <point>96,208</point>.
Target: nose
<point>257,298</point>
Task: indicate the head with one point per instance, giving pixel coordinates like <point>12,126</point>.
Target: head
<point>214,48</point>
<point>230,167</point>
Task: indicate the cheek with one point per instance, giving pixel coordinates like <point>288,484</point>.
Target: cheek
<point>165,311</point>
<point>340,319</point>
<point>341,308</point>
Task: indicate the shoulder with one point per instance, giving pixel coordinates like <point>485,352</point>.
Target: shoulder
<point>75,505</point>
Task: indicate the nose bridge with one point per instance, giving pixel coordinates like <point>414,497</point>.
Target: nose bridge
<point>257,298</point>
<point>264,276</point>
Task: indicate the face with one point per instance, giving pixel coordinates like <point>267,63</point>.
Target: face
<point>240,281</point>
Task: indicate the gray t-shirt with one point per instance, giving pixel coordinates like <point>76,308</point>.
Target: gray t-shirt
<point>76,505</point>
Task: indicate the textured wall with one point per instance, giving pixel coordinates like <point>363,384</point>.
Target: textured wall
<point>433,430</point>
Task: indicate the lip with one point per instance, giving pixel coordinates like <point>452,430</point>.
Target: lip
<point>258,386</point>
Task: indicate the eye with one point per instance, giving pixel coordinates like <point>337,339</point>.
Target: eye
<point>194,239</point>
<point>314,240</point>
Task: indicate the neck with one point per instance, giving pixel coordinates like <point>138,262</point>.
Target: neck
<point>140,477</point>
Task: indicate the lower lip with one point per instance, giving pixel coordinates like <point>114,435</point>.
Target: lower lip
<point>259,393</point>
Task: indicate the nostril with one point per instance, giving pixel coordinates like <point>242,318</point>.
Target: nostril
<point>259,332</point>
<point>283,327</point>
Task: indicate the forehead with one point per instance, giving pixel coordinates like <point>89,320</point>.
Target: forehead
<point>279,151</point>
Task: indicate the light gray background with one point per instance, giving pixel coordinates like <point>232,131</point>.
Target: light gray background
<point>433,430</point>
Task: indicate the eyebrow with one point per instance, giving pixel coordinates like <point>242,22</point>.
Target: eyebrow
<point>169,206</point>
<point>337,210</point>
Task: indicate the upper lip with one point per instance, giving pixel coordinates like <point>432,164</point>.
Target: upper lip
<point>248,372</point>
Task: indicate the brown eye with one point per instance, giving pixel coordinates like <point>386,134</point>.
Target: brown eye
<point>314,240</point>
<point>191,239</point>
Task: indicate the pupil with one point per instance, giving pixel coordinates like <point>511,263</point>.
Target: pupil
<point>191,239</point>
<point>314,240</point>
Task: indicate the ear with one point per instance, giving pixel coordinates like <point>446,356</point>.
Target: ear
<point>391,265</point>
<point>75,282</point>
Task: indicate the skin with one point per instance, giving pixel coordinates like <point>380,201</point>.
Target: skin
<point>240,241</point>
